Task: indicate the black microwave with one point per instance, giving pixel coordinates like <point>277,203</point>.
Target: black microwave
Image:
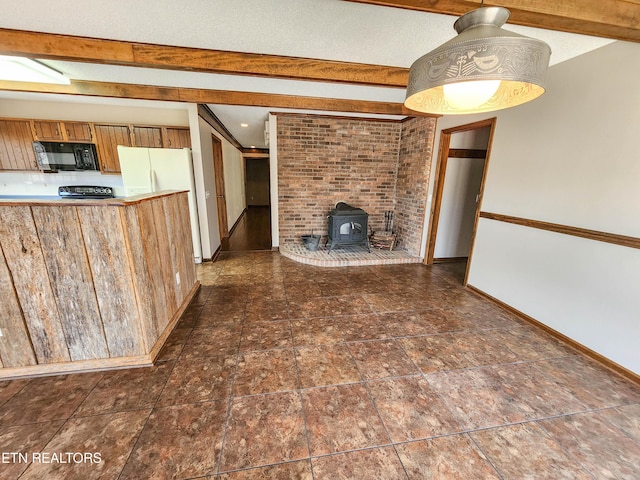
<point>55,156</point>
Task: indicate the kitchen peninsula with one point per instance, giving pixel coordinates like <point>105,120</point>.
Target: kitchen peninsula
<point>91,284</point>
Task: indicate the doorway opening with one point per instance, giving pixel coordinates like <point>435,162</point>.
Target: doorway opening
<point>460,176</point>
<point>252,230</point>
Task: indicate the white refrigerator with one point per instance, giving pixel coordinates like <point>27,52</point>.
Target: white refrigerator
<point>146,170</point>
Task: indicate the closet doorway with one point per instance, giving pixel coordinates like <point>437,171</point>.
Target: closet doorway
<point>460,176</point>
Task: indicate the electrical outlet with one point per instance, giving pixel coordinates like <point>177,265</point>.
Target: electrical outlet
<point>177,278</point>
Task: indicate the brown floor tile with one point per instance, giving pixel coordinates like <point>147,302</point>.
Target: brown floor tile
<point>300,291</point>
<point>214,321</point>
<point>300,470</point>
<point>390,302</point>
<point>481,314</point>
<point>204,291</point>
<point>263,430</point>
<point>112,436</point>
<point>23,439</point>
<point>410,409</point>
<point>316,331</point>
<point>223,311</point>
<point>325,365</point>
<point>476,397</point>
<point>526,451</point>
<point>423,322</point>
<point>381,359</point>
<point>328,307</point>
<point>626,418</point>
<point>483,348</point>
<point>362,327</point>
<point>264,372</point>
<point>529,344</point>
<point>601,448</point>
<point>199,380</point>
<point>212,342</point>
<point>593,385</point>
<point>432,353</point>
<point>178,442</point>
<point>262,309</point>
<point>379,463</point>
<point>126,390</point>
<point>174,344</point>
<point>267,289</point>
<point>452,458</point>
<point>48,398</point>
<point>534,393</point>
<point>341,418</point>
<point>8,388</point>
<point>265,336</point>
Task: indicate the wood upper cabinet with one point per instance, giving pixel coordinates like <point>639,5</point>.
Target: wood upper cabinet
<point>16,146</point>
<point>46,130</point>
<point>108,137</point>
<point>177,137</point>
<point>76,131</point>
<point>147,137</point>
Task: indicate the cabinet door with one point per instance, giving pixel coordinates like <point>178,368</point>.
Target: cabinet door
<point>178,138</point>
<point>147,136</point>
<point>76,131</point>
<point>45,130</point>
<point>16,146</point>
<point>108,137</point>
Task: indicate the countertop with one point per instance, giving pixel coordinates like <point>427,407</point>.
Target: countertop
<point>56,201</point>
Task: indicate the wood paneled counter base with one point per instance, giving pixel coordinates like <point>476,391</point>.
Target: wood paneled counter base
<point>92,284</point>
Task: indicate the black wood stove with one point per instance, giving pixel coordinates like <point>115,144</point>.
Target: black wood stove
<point>347,226</point>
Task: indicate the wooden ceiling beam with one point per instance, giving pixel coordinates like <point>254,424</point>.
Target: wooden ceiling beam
<point>113,52</point>
<point>616,19</point>
<point>202,96</point>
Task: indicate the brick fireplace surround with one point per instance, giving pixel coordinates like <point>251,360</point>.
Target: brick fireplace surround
<point>376,165</point>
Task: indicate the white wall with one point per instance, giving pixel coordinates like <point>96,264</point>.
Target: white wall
<point>205,181</point>
<point>234,184</point>
<point>571,158</point>
<point>463,177</point>
<point>202,152</point>
<point>273,173</point>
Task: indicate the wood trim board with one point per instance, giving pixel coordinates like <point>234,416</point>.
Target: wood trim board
<point>601,359</point>
<point>134,54</point>
<point>613,238</point>
<point>617,19</point>
<point>200,95</point>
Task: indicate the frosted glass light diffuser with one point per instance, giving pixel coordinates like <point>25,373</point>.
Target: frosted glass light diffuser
<point>466,95</point>
<point>19,69</point>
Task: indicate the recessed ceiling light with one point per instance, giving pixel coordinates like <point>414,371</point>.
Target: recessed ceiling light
<point>244,124</point>
<point>19,69</point>
<point>253,146</point>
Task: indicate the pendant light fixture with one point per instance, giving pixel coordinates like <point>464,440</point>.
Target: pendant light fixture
<point>484,68</point>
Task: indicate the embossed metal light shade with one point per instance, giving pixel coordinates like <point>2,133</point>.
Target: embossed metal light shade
<point>484,68</point>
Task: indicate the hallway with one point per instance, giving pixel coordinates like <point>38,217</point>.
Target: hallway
<point>251,233</point>
<point>280,371</point>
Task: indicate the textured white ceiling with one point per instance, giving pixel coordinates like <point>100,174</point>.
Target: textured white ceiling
<point>323,29</point>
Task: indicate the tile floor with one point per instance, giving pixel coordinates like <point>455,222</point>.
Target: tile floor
<point>285,371</point>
